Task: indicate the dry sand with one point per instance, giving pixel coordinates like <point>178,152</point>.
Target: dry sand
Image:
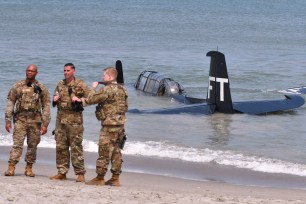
<point>136,188</point>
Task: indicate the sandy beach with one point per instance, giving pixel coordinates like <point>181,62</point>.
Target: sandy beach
<point>168,158</point>
<point>135,188</point>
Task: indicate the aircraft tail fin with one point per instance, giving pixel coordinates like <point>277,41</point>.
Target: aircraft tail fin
<point>120,78</point>
<point>218,92</point>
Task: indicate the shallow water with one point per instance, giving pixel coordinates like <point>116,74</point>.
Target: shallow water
<point>264,45</point>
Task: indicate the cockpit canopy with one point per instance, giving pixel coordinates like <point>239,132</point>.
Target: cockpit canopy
<point>158,84</point>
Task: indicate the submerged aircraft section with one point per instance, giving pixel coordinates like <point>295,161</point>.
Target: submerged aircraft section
<point>218,94</point>
<point>158,84</point>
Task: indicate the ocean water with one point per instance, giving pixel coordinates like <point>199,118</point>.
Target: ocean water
<point>263,42</point>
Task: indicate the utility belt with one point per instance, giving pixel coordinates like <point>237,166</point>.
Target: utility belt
<point>75,107</point>
<point>65,109</point>
<point>27,112</point>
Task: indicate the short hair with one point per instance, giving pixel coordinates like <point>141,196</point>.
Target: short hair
<point>70,65</point>
<point>111,71</point>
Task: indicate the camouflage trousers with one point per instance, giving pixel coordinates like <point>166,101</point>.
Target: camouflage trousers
<point>69,136</point>
<point>109,150</point>
<point>23,130</point>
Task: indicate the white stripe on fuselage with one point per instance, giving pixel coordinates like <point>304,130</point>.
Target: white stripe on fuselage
<point>222,81</point>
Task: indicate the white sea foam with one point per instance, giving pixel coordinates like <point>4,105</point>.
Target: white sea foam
<point>256,163</point>
<point>164,150</point>
<point>292,90</point>
<point>48,142</point>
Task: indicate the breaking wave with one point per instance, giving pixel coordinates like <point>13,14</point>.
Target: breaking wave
<point>168,151</point>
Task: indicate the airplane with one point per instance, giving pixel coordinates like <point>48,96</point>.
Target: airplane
<point>218,94</point>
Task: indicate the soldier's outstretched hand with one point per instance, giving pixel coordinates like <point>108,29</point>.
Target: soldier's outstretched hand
<point>43,130</point>
<point>8,127</point>
<point>95,84</point>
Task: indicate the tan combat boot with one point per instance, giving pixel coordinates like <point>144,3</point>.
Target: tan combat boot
<point>114,181</point>
<point>80,178</point>
<point>98,181</point>
<point>59,177</point>
<point>28,170</point>
<point>10,170</point>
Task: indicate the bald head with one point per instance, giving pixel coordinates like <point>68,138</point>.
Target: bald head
<point>32,67</point>
<point>31,72</point>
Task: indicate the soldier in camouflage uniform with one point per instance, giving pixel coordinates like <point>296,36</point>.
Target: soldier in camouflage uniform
<point>69,124</point>
<point>111,109</point>
<point>28,105</point>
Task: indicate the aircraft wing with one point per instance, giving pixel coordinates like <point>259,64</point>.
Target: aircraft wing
<point>269,106</point>
<point>200,108</point>
<point>248,107</point>
<point>187,99</point>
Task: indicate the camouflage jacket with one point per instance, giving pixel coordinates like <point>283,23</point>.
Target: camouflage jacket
<point>29,102</point>
<point>66,92</point>
<point>112,103</point>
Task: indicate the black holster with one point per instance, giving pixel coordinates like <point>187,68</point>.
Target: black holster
<point>122,141</point>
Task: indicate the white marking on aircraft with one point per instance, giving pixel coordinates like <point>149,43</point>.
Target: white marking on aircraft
<point>222,81</point>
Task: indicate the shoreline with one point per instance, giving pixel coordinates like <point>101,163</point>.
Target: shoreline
<point>135,188</point>
<point>176,169</point>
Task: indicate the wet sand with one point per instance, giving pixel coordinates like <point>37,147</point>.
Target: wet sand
<point>143,187</point>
